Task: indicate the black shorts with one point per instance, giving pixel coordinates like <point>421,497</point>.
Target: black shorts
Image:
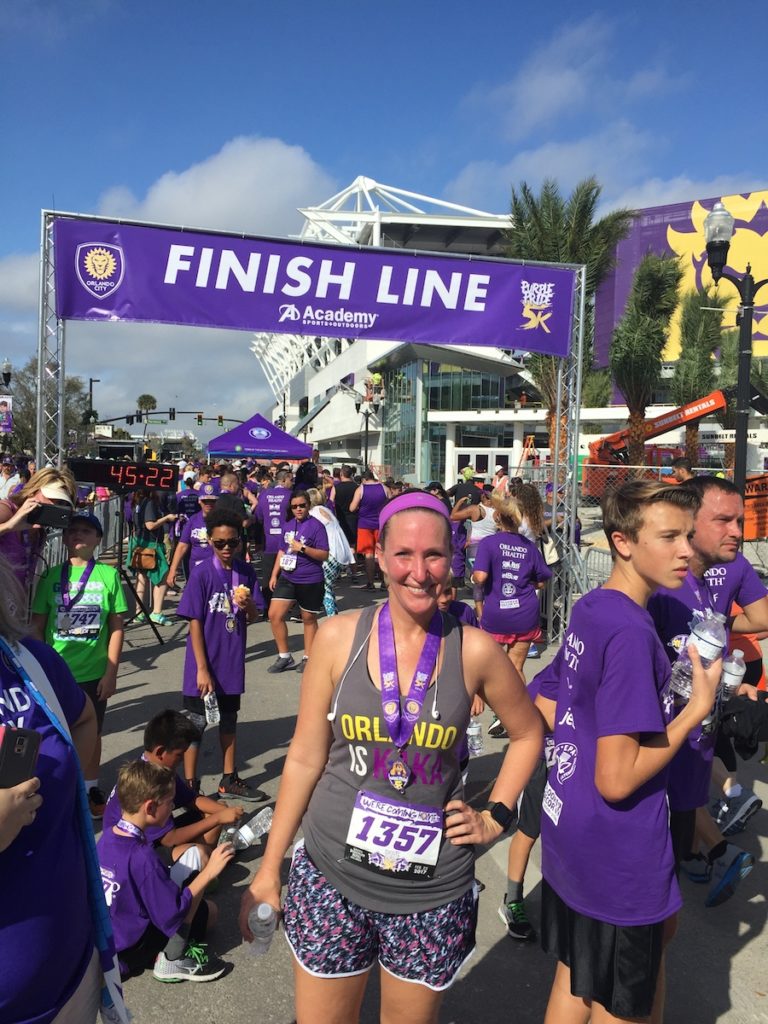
<point>529,819</point>
<point>89,689</point>
<point>308,595</point>
<point>229,706</point>
<point>141,955</point>
<point>682,827</point>
<point>745,721</point>
<point>614,965</point>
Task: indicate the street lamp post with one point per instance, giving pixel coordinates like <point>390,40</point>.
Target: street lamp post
<point>718,232</point>
<point>91,382</point>
<point>368,409</point>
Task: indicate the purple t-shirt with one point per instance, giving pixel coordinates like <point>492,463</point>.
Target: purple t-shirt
<point>609,861</point>
<point>373,499</point>
<point>271,510</point>
<point>206,598</point>
<point>196,535</point>
<point>462,612</point>
<point>459,544</point>
<point>183,797</point>
<point>672,611</point>
<point>138,889</point>
<point>46,941</point>
<point>514,565</point>
<point>312,533</point>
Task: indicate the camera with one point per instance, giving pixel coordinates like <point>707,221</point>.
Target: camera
<point>55,516</point>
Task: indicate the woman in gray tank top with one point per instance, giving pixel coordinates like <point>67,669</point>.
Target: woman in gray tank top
<point>386,866</point>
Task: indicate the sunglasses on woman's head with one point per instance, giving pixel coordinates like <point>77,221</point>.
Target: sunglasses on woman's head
<point>221,544</point>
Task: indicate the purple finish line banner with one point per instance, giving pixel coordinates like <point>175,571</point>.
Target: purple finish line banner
<point>130,272</point>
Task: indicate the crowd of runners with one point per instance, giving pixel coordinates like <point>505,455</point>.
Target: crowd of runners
<point>602,761</point>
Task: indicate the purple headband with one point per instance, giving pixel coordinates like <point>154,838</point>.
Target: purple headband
<point>410,500</point>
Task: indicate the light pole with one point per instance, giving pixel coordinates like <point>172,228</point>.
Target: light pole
<point>7,421</point>
<point>718,232</point>
<point>91,382</point>
<point>6,372</point>
<point>368,409</point>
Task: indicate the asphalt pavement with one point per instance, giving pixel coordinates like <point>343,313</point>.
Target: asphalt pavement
<point>717,964</point>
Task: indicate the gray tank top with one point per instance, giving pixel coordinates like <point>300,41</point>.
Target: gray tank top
<point>370,841</point>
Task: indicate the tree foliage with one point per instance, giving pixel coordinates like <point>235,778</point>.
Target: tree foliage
<point>146,403</point>
<point>555,229</point>
<point>640,338</point>
<point>694,376</point>
<point>23,387</point>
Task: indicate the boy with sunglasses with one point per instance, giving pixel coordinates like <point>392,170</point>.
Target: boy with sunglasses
<point>220,599</point>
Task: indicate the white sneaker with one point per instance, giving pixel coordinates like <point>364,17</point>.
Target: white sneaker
<point>193,966</point>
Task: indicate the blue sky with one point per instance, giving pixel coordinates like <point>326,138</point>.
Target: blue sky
<point>233,115</point>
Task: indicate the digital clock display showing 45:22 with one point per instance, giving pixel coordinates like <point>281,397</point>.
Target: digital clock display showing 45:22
<point>125,476</point>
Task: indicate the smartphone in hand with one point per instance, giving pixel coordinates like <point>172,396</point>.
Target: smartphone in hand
<point>18,755</point>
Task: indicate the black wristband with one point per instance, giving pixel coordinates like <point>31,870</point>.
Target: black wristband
<point>502,815</point>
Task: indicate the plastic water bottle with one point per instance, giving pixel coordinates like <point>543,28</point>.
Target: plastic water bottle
<point>708,637</point>
<point>262,921</point>
<point>212,713</point>
<point>251,831</point>
<point>734,670</point>
<point>247,834</point>
<point>475,738</point>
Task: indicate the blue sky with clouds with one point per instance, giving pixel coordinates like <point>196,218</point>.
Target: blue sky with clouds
<point>233,115</point>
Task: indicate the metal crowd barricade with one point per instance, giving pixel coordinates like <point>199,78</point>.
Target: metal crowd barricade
<point>107,512</point>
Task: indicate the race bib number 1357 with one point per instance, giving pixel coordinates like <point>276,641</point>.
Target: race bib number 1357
<point>394,838</point>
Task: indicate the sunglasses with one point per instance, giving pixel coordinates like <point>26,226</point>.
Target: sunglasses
<point>221,544</point>
<point>302,505</point>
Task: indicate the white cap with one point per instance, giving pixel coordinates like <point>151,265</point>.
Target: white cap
<point>57,492</point>
<point>499,469</point>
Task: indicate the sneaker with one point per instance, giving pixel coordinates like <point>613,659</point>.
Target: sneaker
<point>97,801</point>
<point>727,871</point>
<point>496,729</point>
<point>696,868</point>
<point>731,814</point>
<point>363,586</point>
<point>515,918</point>
<point>139,619</point>
<point>533,652</point>
<point>235,786</point>
<point>159,619</point>
<point>302,665</point>
<point>195,965</point>
<point>282,665</point>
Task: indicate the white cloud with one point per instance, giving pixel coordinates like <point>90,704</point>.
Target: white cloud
<point>252,185</point>
<point>661,191</point>
<point>19,277</point>
<point>607,154</point>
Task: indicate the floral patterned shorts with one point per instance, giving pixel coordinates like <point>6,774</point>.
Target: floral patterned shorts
<point>331,937</point>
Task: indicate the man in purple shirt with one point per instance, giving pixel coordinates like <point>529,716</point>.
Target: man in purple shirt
<point>272,511</point>
<point>718,575</point>
<point>193,547</point>
<point>609,895</point>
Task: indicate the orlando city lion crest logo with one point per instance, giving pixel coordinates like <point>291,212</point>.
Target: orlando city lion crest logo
<point>100,268</point>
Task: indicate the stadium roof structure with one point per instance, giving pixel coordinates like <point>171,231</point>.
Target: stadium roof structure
<point>369,213</point>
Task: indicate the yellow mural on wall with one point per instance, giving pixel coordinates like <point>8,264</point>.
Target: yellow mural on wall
<point>748,245</point>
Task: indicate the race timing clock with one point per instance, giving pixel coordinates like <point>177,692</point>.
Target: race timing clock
<point>125,476</point>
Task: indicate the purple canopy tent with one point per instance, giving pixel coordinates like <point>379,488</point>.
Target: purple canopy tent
<point>257,438</point>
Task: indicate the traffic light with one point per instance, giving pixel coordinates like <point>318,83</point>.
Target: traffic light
<point>280,422</point>
<point>138,415</point>
<point>199,419</point>
<point>129,420</point>
<point>220,420</point>
<point>171,413</point>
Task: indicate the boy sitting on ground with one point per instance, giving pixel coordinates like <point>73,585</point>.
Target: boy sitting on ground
<point>154,921</point>
<point>191,837</point>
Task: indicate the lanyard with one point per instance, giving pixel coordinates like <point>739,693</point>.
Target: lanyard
<point>697,586</point>
<point>131,829</point>
<point>69,600</point>
<point>401,720</point>
<point>230,582</point>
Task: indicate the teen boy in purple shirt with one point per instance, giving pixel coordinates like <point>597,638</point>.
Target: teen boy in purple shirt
<point>154,921</point>
<point>609,890</point>
<point>718,574</point>
<point>220,599</point>
<point>193,547</point>
<point>272,512</point>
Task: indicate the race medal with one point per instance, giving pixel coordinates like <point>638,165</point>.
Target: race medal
<point>401,721</point>
<point>230,624</point>
<point>398,773</point>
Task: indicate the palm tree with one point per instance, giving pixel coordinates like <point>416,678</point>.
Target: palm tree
<point>694,375</point>
<point>639,340</point>
<point>554,229</point>
<point>146,403</point>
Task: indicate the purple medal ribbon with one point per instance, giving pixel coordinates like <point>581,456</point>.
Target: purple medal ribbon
<point>80,586</point>
<point>402,719</point>
<point>229,589</point>
<point>131,829</point>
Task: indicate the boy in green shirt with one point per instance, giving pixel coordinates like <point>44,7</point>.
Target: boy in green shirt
<point>78,609</point>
